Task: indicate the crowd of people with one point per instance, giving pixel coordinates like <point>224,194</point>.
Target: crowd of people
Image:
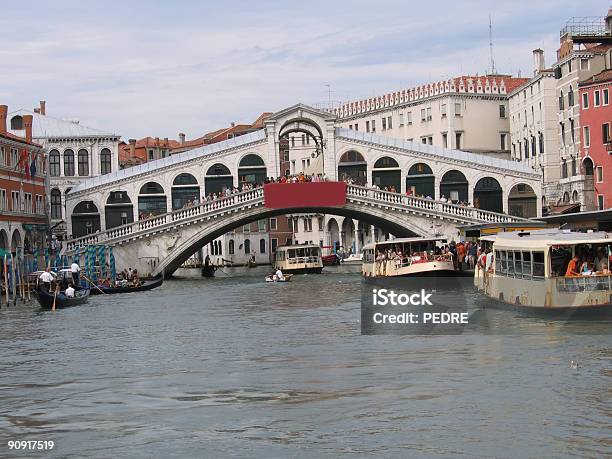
<point>588,261</point>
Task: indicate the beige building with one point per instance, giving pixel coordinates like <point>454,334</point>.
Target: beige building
<point>466,113</point>
<point>533,122</point>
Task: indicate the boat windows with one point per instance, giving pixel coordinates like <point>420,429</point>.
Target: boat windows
<point>519,264</point>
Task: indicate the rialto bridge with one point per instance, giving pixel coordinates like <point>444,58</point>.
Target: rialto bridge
<point>111,209</point>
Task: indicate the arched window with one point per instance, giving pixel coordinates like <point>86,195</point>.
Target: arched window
<point>69,163</point>
<point>218,169</point>
<point>247,246</point>
<point>56,204</point>
<point>105,161</point>
<point>385,162</point>
<point>262,246</point>
<point>570,97</point>
<point>54,163</point>
<point>575,196</point>
<point>17,123</point>
<point>251,161</point>
<point>352,156</point>
<point>231,247</point>
<point>219,248</point>
<point>185,179</point>
<point>151,188</point>
<point>588,166</point>
<point>83,163</point>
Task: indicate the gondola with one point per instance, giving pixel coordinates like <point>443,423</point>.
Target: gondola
<point>208,270</point>
<point>286,278</point>
<point>146,285</point>
<point>61,300</point>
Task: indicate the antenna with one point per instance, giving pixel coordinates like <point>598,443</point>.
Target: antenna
<point>329,96</point>
<point>491,60</point>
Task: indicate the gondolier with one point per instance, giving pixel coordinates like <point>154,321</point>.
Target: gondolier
<point>75,269</point>
<point>45,279</point>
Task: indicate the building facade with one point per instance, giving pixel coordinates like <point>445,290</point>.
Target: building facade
<point>75,153</point>
<point>23,195</point>
<point>533,122</point>
<point>578,58</point>
<point>595,135</point>
<point>465,113</point>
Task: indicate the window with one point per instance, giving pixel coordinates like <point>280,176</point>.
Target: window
<point>561,104</point>
<point>262,246</point>
<point>151,155</point>
<point>273,223</point>
<point>351,127</point>
<point>574,168</point>
<point>585,100</point>
<point>373,125</point>
<point>569,66</point>
<point>409,118</point>
<point>56,204</point>
<point>356,126</point>
<point>430,140</point>
<point>562,126</point>
<point>69,163</point>
<point>570,97</point>
<point>457,109</point>
<point>320,223</point>
<point>572,130</point>
<point>247,246</point>
<point>445,140</point>
<point>600,202</point>
<point>367,126</point>
<point>54,163</point>
<point>274,245</point>
<point>389,122</point>
<point>458,140</point>
<point>502,111</point>
<point>231,247</point>
<point>246,228</point>
<point>384,123</point>
<point>564,169</point>
<point>424,140</point>
<point>303,139</point>
<point>428,113</point>
<point>605,132</point>
<point>307,224</point>
<point>502,141</point>
<point>423,115</point>
<point>293,141</point>
<point>526,147</point>
<point>584,64</point>
<point>3,202</point>
<point>401,119</point>
<point>105,161</point>
<point>2,157</point>
<point>15,207</point>
<point>541,137</point>
<point>533,146</point>
<point>606,100</point>
<point>597,95</point>
<point>599,174</point>
<point>83,162</point>
<point>261,226</point>
<point>587,136</point>
<point>443,110</point>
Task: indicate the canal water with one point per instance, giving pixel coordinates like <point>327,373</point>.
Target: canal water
<point>232,366</point>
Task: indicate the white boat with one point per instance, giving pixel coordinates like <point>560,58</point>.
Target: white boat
<point>415,256</point>
<point>286,278</point>
<point>529,270</point>
<point>298,259</point>
<point>353,259</point>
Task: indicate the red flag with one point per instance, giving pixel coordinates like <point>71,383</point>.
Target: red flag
<point>23,158</point>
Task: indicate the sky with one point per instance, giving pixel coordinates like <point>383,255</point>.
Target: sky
<point>139,68</point>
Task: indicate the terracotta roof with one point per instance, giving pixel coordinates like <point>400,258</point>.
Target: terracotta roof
<point>8,135</point>
<point>259,122</point>
<point>601,77</point>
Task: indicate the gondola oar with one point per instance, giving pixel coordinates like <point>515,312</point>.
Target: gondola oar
<point>88,280</point>
<point>54,298</point>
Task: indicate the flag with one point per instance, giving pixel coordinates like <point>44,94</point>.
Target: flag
<point>23,159</point>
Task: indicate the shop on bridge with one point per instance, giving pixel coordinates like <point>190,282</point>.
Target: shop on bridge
<point>218,178</point>
<point>420,180</point>
<point>118,210</point>
<point>252,169</point>
<point>85,219</point>
<point>185,189</point>
<point>454,186</point>
<point>151,200</point>
<point>386,173</point>
<point>488,195</point>
<point>352,165</point>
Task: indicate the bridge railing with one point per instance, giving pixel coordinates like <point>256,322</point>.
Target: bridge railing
<point>447,208</point>
<point>167,219</point>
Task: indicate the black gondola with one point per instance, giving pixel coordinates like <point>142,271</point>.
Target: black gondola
<point>46,299</point>
<point>146,285</point>
<point>208,270</point>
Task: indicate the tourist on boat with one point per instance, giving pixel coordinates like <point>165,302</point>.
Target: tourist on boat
<point>135,278</point>
<point>69,291</point>
<point>278,275</point>
<point>75,269</point>
<point>573,267</point>
<point>587,267</point>
<point>601,259</point>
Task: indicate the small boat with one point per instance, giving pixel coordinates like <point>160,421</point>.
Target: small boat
<point>330,260</point>
<point>353,259</point>
<point>208,270</point>
<point>286,278</point>
<point>149,284</point>
<point>46,299</point>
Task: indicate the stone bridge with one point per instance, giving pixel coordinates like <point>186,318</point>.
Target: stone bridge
<point>161,244</point>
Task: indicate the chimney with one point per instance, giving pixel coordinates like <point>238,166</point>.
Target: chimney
<point>3,112</point>
<point>538,60</point>
<point>37,110</point>
<point>43,109</point>
<point>165,141</point>
<point>156,142</point>
<point>132,147</point>
<point>181,138</point>
<point>27,125</point>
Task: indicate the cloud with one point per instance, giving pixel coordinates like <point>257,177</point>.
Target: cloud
<point>144,68</point>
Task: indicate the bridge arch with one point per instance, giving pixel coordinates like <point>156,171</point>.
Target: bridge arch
<point>386,172</point>
<point>152,200</point>
<point>421,180</point>
<point>85,219</point>
<point>185,189</point>
<point>454,186</point>
<point>488,195</point>
<point>218,178</point>
<point>118,209</point>
<point>251,169</point>
<point>352,164</point>
<point>523,201</point>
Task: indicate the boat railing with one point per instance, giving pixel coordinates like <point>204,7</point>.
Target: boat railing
<point>303,260</point>
<point>573,284</point>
